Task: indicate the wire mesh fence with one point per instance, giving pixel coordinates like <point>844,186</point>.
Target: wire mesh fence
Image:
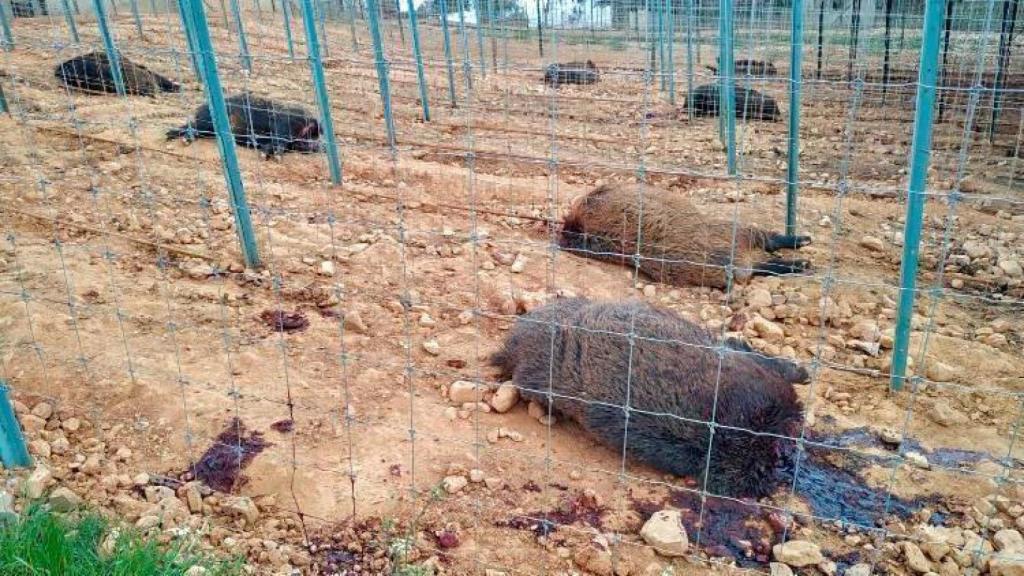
<point>324,259</point>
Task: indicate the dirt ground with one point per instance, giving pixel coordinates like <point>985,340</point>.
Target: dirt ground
<point>123,292</point>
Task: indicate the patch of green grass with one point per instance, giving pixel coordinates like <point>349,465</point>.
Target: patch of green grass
<point>42,543</point>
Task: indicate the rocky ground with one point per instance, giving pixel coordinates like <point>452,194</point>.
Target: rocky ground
<point>371,437</point>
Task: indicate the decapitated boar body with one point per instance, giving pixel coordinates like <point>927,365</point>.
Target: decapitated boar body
<point>750,104</point>
<point>672,241</point>
<point>576,354</point>
<point>92,73</point>
<point>572,73</point>
<point>270,127</point>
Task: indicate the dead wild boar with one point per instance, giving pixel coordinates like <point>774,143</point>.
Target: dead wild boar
<point>678,244</point>
<point>572,73</point>
<point>92,73</point>
<point>270,127</point>
<point>750,104</point>
<point>577,355</point>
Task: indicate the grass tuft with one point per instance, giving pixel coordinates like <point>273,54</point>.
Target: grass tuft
<point>42,543</point>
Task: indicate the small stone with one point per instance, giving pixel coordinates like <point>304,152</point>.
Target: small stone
<point>940,372</point>
<point>758,298</point>
<point>354,321</point>
<point>244,507</point>
<point>93,465</point>
<point>594,560</point>
<point>32,423</point>
<point>140,479</point>
<point>505,398</point>
<point>493,483</point>
<point>916,560</point>
<point>944,415</point>
<point>147,522</point>
<point>156,494</point>
<point>43,410</point>
<point>872,243</point>
<point>917,459</point>
<point>476,476</point>
<point>432,347</point>
<point>664,532</point>
<point>650,291</point>
<point>123,453</point>
<point>193,497</point>
<point>71,425</point>
<point>426,320</point>
<point>1011,268</point>
<point>866,330</point>
<point>780,569</point>
<point>60,445</point>
<point>37,482</point>
<point>327,268</point>
<point>825,221</point>
<point>890,436</point>
<point>463,392</point>
<point>535,410</point>
<point>858,570</point>
<point>196,571</point>
<point>453,484</point>
<point>64,500</point>
<point>798,553</point>
<point>1009,542</point>
<point>40,448</point>
<point>767,329</point>
<point>518,265</point>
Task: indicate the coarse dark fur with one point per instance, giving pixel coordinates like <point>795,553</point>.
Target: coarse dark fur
<point>744,67</point>
<point>750,104</point>
<point>677,243</point>
<point>675,385</point>
<point>572,73</point>
<point>270,127</point>
<point>92,73</point>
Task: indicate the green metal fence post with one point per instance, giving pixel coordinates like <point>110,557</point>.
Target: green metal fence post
<point>690,23</point>
<point>111,48</point>
<point>13,451</point>
<point>446,33</point>
<point>467,58</point>
<point>243,44</point>
<point>5,26</point>
<point>415,30</point>
<point>225,140</point>
<point>796,49</point>
<point>478,13</point>
<point>920,154</point>
<point>382,69</point>
<point>134,6</point>
<point>190,40</point>
<point>728,90</point>
<point>671,52</point>
<point>322,99</point>
<point>69,18</point>
<point>286,11</point>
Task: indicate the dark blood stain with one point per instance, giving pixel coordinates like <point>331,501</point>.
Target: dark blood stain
<point>281,321</point>
<point>456,363</point>
<point>283,426</point>
<point>447,539</point>
<point>221,466</point>
<point>746,531</point>
<point>395,470</point>
<point>579,507</point>
<point>531,486</point>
